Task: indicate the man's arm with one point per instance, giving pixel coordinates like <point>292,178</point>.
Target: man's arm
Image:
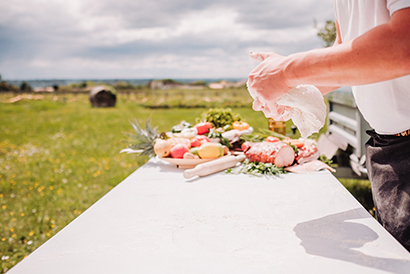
<point>380,54</point>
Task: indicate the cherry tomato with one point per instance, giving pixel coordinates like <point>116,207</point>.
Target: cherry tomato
<point>272,139</point>
<point>195,143</point>
<point>199,140</point>
<point>297,143</point>
<point>294,142</point>
<point>203,127</point>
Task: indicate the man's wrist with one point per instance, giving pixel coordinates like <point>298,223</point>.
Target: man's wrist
<point>290,71</point>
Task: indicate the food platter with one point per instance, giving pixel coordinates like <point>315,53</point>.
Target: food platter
<point>188,163</point>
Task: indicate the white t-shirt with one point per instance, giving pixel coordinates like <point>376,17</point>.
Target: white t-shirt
<point>385,105</point>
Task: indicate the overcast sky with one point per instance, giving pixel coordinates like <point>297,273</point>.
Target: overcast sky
<point>78,39</point>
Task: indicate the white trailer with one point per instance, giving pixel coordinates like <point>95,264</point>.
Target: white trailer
<point>347,129</point>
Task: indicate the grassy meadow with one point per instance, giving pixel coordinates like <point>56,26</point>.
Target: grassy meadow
<point>58,155</point>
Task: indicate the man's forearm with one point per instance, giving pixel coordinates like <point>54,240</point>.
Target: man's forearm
<point>382,53</point>
<point>326,90</point>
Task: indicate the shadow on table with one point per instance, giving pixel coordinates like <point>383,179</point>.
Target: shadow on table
<point>332,237</point>
<point>162,166</point>
<point>165,167</point>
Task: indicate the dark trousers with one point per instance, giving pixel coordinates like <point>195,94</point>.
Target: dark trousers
<point>388,167</point>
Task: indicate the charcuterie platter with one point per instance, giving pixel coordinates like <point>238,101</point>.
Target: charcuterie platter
<point>187,146</point>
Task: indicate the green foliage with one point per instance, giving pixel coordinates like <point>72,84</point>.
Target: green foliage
<point>198,83</point>
<point>325,160</point>
<point>169,81</point>
<point>77,85</point>
<point>25,87</point>
<point>56,160</point>
<point>192,98</point>
<point>123,85</point>
<point>84,84</point>
<point>128,87</point>
<point>257,169</point>
<point>59,155</point>
<point>361,190</point>
<point>261,135</point>
<point>224,141</point>
<point>328,33</point>
<point>142,141</point>
<point>4,86</point>
<point>220,117</point>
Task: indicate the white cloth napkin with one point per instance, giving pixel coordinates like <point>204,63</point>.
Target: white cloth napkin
<point>304,104</point>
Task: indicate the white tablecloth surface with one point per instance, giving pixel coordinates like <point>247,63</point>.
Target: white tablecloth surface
<point>155,221</point>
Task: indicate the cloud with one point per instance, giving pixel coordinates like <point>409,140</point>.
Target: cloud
<point>285,14</point>
<point>154,39</point>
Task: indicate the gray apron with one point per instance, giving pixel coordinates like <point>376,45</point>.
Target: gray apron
<point>388,167</point>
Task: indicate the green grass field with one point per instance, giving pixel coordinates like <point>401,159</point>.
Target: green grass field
<point>58,156</point>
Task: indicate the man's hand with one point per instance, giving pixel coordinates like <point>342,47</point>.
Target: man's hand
<point>273,110</point>
<point>268,79</point>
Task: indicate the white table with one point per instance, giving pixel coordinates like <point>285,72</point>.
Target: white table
<point>155,221</point>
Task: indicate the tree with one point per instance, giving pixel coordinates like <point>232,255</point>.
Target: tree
<point>198,83</point>
<point>25,87</point>
<point>4,86</point>
<point>328,33</point>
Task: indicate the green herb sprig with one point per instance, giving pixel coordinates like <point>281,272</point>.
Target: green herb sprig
<point>326,160</point>
<point>224,141</point>
<point>257,169</point>
<point>261,135</point>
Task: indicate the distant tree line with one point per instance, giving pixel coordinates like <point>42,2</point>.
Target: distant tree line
<point>24,87</point>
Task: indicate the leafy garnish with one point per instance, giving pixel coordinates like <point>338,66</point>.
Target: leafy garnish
<point>261,136</point>
<point>295,148</point>
<point>215,134</point>
<point>268,132</point>
<point>252,137</point>
<point>325,160</point>
<point>257,169</point>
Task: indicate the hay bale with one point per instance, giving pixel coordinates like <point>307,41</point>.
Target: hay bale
<point>103,96</point>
